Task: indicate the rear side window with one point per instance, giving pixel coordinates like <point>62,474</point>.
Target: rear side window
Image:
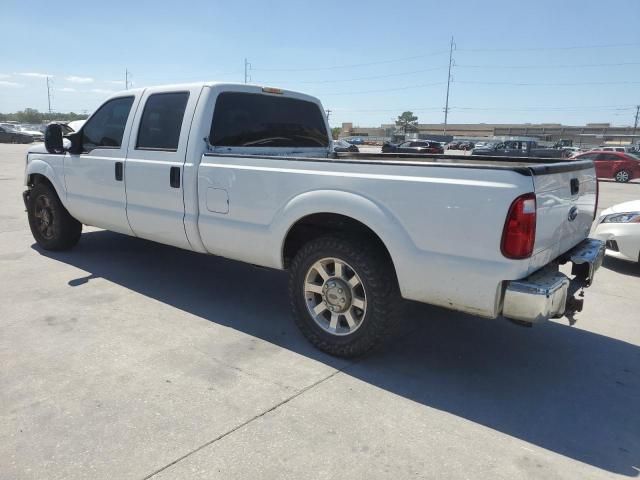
<point>254,120</point>
<point>106,127</point>
<point>162,121</point>
<point>609,156</point>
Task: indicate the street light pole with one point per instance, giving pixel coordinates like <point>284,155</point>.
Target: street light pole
<point>446,106</point>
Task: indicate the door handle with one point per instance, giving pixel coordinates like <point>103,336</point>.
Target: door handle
<point>119,171</point>
<point>575,186</point>
<point>174,177</point>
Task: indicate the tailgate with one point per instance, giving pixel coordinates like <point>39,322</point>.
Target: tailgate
<point>566,202</point>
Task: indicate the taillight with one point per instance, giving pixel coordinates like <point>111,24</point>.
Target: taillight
<point>519,232</point>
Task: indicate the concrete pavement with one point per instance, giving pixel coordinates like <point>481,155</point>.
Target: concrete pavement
<point>127,359</point>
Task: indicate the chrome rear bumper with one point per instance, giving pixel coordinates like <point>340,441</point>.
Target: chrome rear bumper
<point>548,293</point>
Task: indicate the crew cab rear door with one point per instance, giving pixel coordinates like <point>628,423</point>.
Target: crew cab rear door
<point>155,163</point>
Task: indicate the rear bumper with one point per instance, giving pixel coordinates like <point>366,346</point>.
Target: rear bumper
<point>549,293</point>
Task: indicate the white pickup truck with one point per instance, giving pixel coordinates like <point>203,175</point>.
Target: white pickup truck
<point>247,172</point>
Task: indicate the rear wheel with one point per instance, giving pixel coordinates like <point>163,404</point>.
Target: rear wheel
<point>622,176</point>
<point>51,224</point>
<point>344,294</point>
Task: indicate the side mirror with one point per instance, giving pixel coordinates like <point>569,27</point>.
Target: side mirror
<point>53,138</point>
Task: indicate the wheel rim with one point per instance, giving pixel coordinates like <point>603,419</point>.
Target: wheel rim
<point>43,214</point>
<point>335,296</point>
<point>622,176</point>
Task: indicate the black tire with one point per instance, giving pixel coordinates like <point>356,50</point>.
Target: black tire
<point>51,225</point>
<point>372,265</point>
<point>622,176</point>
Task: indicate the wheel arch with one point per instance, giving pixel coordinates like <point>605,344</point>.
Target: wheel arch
<point>318,213</point>
<point>39,171</point>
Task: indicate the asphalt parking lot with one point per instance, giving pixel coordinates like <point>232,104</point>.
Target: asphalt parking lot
<point>125,359</point>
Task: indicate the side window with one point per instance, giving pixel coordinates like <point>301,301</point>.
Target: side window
<point>260,120</point>
<point>106,127</point>
<point>588,156</point>
<point>610,157</point>
<point>162,121</point>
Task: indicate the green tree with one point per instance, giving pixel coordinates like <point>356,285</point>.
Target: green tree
<point>335,131</point>
<point>408,122</point>
<point>31,115</point>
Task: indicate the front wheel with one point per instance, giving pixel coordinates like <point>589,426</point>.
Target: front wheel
<point>622,176</point>
<point>344,294</point>
<point>52,226</point>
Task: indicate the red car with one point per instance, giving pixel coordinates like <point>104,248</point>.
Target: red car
<point>622,167</point>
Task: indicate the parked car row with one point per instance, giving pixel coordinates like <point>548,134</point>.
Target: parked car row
<point>413,146</point>
<point>30,132</point>
<point>12,133</point>
<point>465,145</point>
<point>344,146</point>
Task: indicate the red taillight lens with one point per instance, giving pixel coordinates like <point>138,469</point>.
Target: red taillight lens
<point>519,232</point>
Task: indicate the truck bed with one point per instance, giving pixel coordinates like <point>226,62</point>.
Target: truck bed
<point>526,166</point>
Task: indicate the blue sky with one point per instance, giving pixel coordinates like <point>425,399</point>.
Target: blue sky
<point>367,61</point>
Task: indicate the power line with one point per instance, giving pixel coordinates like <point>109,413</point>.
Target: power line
<point>352,65</point>
<point>528,84</point>
<point>409,87</point>
<point>576,47</point>
<point>553,108</point>
<point>373,77</point>
<point>580,65</point>
<point>516,109</point>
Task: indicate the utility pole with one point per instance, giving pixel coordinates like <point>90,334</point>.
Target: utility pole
<point>446,105</point>
<point>49,94</point>
<point>126,79</point>
<point>247,68</point>
<point>635,124</point>
<point>329,114</point>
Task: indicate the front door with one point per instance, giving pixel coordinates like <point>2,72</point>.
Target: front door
<point>155,165</point>
<point>604,164</point>
<point>95,177</point>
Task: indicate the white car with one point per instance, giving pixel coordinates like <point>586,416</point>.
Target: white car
<point>76,125</point>
<point>619,227</point>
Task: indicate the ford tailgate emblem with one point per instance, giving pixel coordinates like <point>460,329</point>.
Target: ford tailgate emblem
<point>573,213</point>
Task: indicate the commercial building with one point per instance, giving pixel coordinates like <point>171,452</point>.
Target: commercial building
<point>589,134</point>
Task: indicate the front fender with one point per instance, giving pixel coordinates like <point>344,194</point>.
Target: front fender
<point>374,216</point>
<point>40,167</point>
